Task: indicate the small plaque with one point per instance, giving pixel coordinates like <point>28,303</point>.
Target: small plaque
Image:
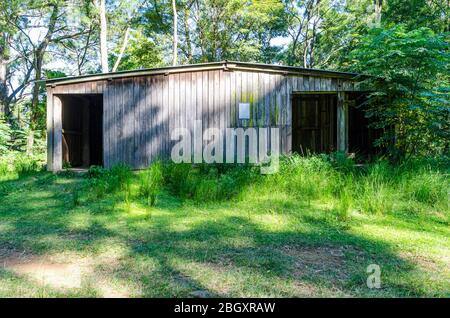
<point>244,110</point>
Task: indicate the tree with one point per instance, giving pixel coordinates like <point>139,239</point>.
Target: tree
<point>212,30</point>
<point>101,6</point>
<point>175,33</point>
<point>409,83</point>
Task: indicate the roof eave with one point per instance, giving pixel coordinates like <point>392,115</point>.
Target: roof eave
<point>224,65</point>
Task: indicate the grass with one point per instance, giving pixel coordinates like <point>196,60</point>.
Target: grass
<point>310,230</point>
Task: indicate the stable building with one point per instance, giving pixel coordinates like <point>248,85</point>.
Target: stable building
<point>127,117</point>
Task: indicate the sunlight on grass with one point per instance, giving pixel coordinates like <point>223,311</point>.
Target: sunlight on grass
<point>276,236</point>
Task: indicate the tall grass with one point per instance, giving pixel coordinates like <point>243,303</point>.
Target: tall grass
<point>151,182</point>
<point>375,188</point>
<point>333,180</point>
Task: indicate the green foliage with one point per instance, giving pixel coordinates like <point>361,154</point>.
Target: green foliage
<point>15,164</point>
<point>140,53</point>
<point>24,164</point>
<point>409,84</point>
<point>213,30</point>
<point>204,182</point>
<point>5,136</point>
<point>151,182</point>
<point>103,181</point>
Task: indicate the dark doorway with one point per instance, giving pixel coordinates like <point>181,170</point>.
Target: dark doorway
<point>82,128</point>
<point>361,137</point>
<point>314,123</point>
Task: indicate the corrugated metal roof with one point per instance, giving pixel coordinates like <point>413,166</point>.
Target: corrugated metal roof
<point>226,65</point>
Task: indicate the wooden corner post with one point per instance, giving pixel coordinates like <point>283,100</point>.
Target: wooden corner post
<point>49,129</point>
<point>342,120</point>
<point>57,134</point>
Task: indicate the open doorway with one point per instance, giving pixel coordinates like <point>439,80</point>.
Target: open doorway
<point>361,136</point>
<point>82,130</point>
<point>314,123</point>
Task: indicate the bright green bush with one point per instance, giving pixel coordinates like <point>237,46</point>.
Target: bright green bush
<point>24,164</point>
<point>150,182</point>
<point>102,181</point>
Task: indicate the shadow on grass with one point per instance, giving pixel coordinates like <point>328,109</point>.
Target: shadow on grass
<point>176,252</point>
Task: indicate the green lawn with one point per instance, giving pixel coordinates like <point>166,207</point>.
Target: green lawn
<point>268,245</point>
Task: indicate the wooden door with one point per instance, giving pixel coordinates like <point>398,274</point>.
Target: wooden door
<point>313,123</point>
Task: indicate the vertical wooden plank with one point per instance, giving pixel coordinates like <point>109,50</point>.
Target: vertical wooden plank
<point>295,83</point>
<point>152,121</point>
<point>328,84</point>
<point>312,83</point>
<point>57,134</point>
<point>148,119</point>
<point>238,97</point>
<point>135,121</point>
<point>279,97</point>
<point>188,99</point>
<point>342,122</point>
<point>273,93</point>
<point>216,116</point>
<point>222,107</point>
<point>306,86</point>
<point>261,100</point>
<point>266,100</point>
<point>317,83</point>
<point>160,112</point>
<point>300,84</point>
<point>108,105</point>
<point>210,100</point>
<point>193,112</point>
<point>333,86</point>
<point>254,97</point>
<point>172,118</point>
<point>50,129</point>
<point>233,97</point>
<point>113,110</point>
<point>227,105</point>
<point>176,99</point>
<point>283,113</point>
<point>165,105</point>
<point>288,148</point>
<point>182,101</point>
<point>141,127</point>
<point>127,140</point>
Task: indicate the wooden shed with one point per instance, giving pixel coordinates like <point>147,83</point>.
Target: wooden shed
<point>127,117</point>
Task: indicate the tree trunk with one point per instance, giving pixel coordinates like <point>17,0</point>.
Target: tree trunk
<point>103,37</point>
<point>378,8</point>
<point>175,33</point>
<point>38,62</point>
<point>187,34</point>
<point>4,61</point>
<point>122,49</point>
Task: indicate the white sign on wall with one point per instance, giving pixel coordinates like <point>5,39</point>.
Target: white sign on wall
<point>244,110</point>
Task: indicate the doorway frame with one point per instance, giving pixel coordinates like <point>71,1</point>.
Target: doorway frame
<point>55,132</point>
<point>341,116</point>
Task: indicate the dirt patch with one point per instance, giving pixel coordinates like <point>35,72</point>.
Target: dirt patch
<point>45,270</point>
<point>62,271</point>
<point>319,261</point>
<point>53,275</point>
<point>423,262</point>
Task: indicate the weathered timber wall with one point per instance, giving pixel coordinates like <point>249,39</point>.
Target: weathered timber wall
<point>139,113</point>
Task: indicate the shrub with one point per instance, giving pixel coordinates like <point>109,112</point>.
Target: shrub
<point>151,182</point>
<point>103,181</point>
<point>96,172</point>
<point>4,168</point>
<point>24,164</point>
<point>176,178</point>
